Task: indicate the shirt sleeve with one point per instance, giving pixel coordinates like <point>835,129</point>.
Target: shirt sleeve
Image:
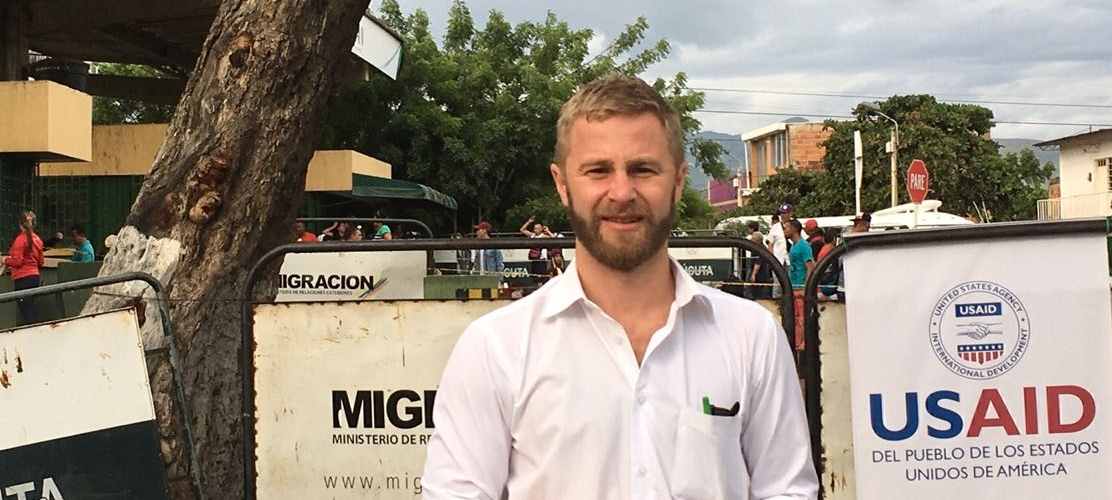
<point>84,253</point>
<point>468,455</point>
<point>15,255</point>
<point>775,440</point>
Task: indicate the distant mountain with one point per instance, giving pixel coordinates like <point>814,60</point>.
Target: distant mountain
<point>734,159</point>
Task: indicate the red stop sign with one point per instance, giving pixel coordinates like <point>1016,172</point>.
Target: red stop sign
<point>918,180</point>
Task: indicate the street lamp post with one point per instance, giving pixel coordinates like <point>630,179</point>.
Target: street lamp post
<point>873,108</point>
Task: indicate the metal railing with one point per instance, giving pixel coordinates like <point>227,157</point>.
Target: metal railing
<point>1076,207</point>
<point>1050,209</point>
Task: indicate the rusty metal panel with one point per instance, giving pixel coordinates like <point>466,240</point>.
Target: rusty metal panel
<point>76,414</point>
<point>344,394</point>
<point>837,474</point>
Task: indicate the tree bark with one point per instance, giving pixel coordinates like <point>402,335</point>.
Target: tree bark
<point>223,190</point>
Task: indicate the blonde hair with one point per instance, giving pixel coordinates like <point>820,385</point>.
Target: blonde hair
<point>617,95</point>
<point>27,223</point>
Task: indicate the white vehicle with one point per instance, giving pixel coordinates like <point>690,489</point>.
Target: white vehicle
<point>897,217</point>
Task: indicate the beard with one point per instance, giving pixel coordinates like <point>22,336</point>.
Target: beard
<point>629,250</point>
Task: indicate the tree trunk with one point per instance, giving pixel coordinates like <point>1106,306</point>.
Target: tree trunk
<point>223,190</point>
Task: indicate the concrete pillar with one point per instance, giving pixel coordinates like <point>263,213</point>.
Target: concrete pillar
<point>13,46</point>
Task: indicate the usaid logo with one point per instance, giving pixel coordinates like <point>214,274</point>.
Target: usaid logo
<point>979,330</point>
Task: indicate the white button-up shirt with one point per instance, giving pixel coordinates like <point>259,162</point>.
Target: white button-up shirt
<point>779,242</point>
<point>544,399</point>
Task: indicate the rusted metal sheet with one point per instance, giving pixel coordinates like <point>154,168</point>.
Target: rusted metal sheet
<point>344,394</point>
<point>837,432</point>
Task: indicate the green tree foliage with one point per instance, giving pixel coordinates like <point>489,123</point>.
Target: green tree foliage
<point>1018,200</point>
<point>966,168</point>
<point>110,111</point>
<point>474,116</point>
<point>787,186</point>
<point>967,172</point>
<point>546,208</point>
<point>694,211</point>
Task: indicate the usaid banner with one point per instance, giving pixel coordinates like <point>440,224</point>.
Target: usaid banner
<point>352,276</point>
<point>344,394</point>
<point>76,415</point>
<point>981,369</point>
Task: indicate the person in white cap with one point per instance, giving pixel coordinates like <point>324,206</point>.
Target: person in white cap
<point>777,242</point>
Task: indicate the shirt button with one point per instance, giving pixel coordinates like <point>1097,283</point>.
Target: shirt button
<point>618,340</point>
<point>641,399</point>
<point>641,472</point>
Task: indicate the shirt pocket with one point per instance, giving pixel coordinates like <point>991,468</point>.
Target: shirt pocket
<point>708,463</point>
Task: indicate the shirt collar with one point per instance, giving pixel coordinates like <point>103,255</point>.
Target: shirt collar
<point>567,290</point>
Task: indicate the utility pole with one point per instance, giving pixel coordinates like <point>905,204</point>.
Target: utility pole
<point>892,147</point>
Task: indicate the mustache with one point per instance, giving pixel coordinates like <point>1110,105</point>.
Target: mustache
<point>631,210</point>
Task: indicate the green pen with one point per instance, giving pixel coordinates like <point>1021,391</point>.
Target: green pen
<point>706,405</point>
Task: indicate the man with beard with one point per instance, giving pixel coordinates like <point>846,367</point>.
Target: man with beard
<point>623,377</point>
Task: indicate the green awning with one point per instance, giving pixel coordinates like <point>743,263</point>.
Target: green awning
<point>367,186</point>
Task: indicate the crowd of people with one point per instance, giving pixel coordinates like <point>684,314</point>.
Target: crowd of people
<point>544,263</point>
<point>798,246</point>
<point>342,231</point>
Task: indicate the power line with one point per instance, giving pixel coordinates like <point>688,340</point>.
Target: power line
<point>734,112</point>
<point>827,115</point>
<point>878,97</point>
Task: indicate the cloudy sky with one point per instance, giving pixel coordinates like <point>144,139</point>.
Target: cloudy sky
<point>1044,68</point>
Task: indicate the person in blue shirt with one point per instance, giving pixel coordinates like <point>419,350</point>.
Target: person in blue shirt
<point>801,258</point>
<point>84,252</point>
<point>800,263</point>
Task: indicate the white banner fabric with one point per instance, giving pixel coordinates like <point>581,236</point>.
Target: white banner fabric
<point>981,369</point>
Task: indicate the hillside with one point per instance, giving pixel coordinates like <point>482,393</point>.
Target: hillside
<point>733,146</point>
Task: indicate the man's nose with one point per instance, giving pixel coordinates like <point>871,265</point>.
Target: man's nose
<point>622,187</point>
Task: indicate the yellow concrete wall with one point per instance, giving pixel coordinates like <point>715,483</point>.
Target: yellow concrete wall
<point>45,119</point>
<point>117,150</point>
<point>331,170</point>
<point>131,149</point>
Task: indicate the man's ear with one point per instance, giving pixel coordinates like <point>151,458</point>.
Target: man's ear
<point>559,178</point>
<point>681,181</point>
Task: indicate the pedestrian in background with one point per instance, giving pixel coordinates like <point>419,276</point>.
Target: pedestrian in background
<point>489,260</point>
<point>24,260</point>
<point>84,251</point>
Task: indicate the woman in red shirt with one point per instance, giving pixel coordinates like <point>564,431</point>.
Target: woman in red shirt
<point>24,261</point>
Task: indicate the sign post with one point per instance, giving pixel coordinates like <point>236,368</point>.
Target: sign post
<point>858,169</point>
<point>918,181</point>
